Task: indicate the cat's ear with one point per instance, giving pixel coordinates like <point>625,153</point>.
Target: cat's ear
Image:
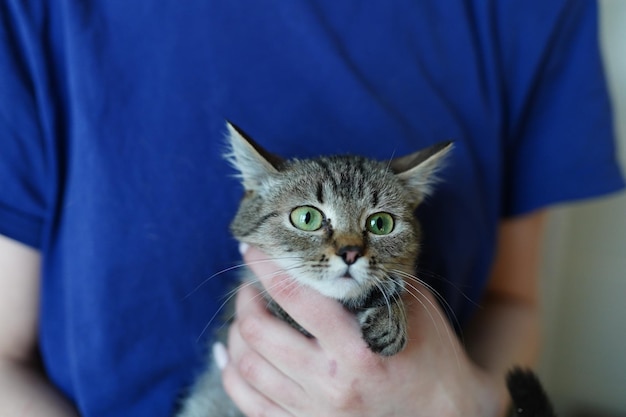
<point>255,165</point>
<point>418,170</point>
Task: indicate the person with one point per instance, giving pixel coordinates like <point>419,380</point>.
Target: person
<point>115,199</point>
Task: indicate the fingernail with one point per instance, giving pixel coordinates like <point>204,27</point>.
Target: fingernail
<point>243,248</point>
<point>220,355</point>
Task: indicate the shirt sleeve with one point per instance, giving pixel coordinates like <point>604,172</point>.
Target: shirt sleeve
<point>560,143</point>
<point>24,166</point>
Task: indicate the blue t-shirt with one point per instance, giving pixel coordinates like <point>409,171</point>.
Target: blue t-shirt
<point>111,134</point>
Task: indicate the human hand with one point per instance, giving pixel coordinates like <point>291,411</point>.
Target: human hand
<point>274,370</point>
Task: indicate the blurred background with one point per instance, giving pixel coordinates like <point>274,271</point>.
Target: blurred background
<point>584,274</point>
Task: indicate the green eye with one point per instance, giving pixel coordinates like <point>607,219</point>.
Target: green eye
<point>306,218</point>
<point>380,223</point>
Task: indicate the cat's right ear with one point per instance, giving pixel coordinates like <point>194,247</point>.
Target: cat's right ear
<point>256,166</point>
<point>418,170</point>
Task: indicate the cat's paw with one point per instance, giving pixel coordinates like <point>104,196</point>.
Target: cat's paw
<point>384,328</point>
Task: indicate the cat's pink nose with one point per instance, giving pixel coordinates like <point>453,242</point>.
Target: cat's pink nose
<point>350,254</point>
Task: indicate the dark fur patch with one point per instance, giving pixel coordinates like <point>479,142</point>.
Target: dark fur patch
<point>529,398</point>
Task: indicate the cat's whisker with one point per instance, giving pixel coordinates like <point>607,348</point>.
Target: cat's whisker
<point>409,277</point>
<point>235,267</point>
<point>229,297</point>
<point>440,277</point>
<point>223,271</point>
<point>232,293</point>
<point>419,300</point>
<point>449,312</point>
<point>439,315</point>
<point>265,291</point>
<point>388,167</point>
<point>397,298</point>
<point>379,287</point>
<point>447,307</point>
<point>291,287</point>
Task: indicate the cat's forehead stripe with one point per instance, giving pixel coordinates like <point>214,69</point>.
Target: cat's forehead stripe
<point>345,175</point>
<point>320,192</point>
<point>348,178</point>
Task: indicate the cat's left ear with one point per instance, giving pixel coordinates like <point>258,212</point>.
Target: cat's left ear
<point>255,165</point>
<point>418,170</point>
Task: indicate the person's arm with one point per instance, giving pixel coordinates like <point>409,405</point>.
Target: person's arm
<point>508,320</point>
<point>505,330</point>
<point>24,390</point>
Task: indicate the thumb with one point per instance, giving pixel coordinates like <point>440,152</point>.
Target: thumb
<point>323,317</point>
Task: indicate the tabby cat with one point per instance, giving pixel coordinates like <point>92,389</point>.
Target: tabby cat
<point>344,225</point>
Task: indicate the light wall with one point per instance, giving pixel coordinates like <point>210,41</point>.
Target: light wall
<point>584,276</point>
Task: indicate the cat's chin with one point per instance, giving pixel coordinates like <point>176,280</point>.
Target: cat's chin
<point>340,287</point>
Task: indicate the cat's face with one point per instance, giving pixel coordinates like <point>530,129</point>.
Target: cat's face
<point>343,225</point>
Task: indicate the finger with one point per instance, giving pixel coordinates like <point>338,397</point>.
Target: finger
<point>256,372</point>
<point>270,382</point>
<point>246,302</point>
<point>249,401</point>
<point>283,346</point>
<point>250,301</point>
<point>335,328</point>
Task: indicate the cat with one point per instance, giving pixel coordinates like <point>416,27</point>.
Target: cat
<point>344,225</point>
